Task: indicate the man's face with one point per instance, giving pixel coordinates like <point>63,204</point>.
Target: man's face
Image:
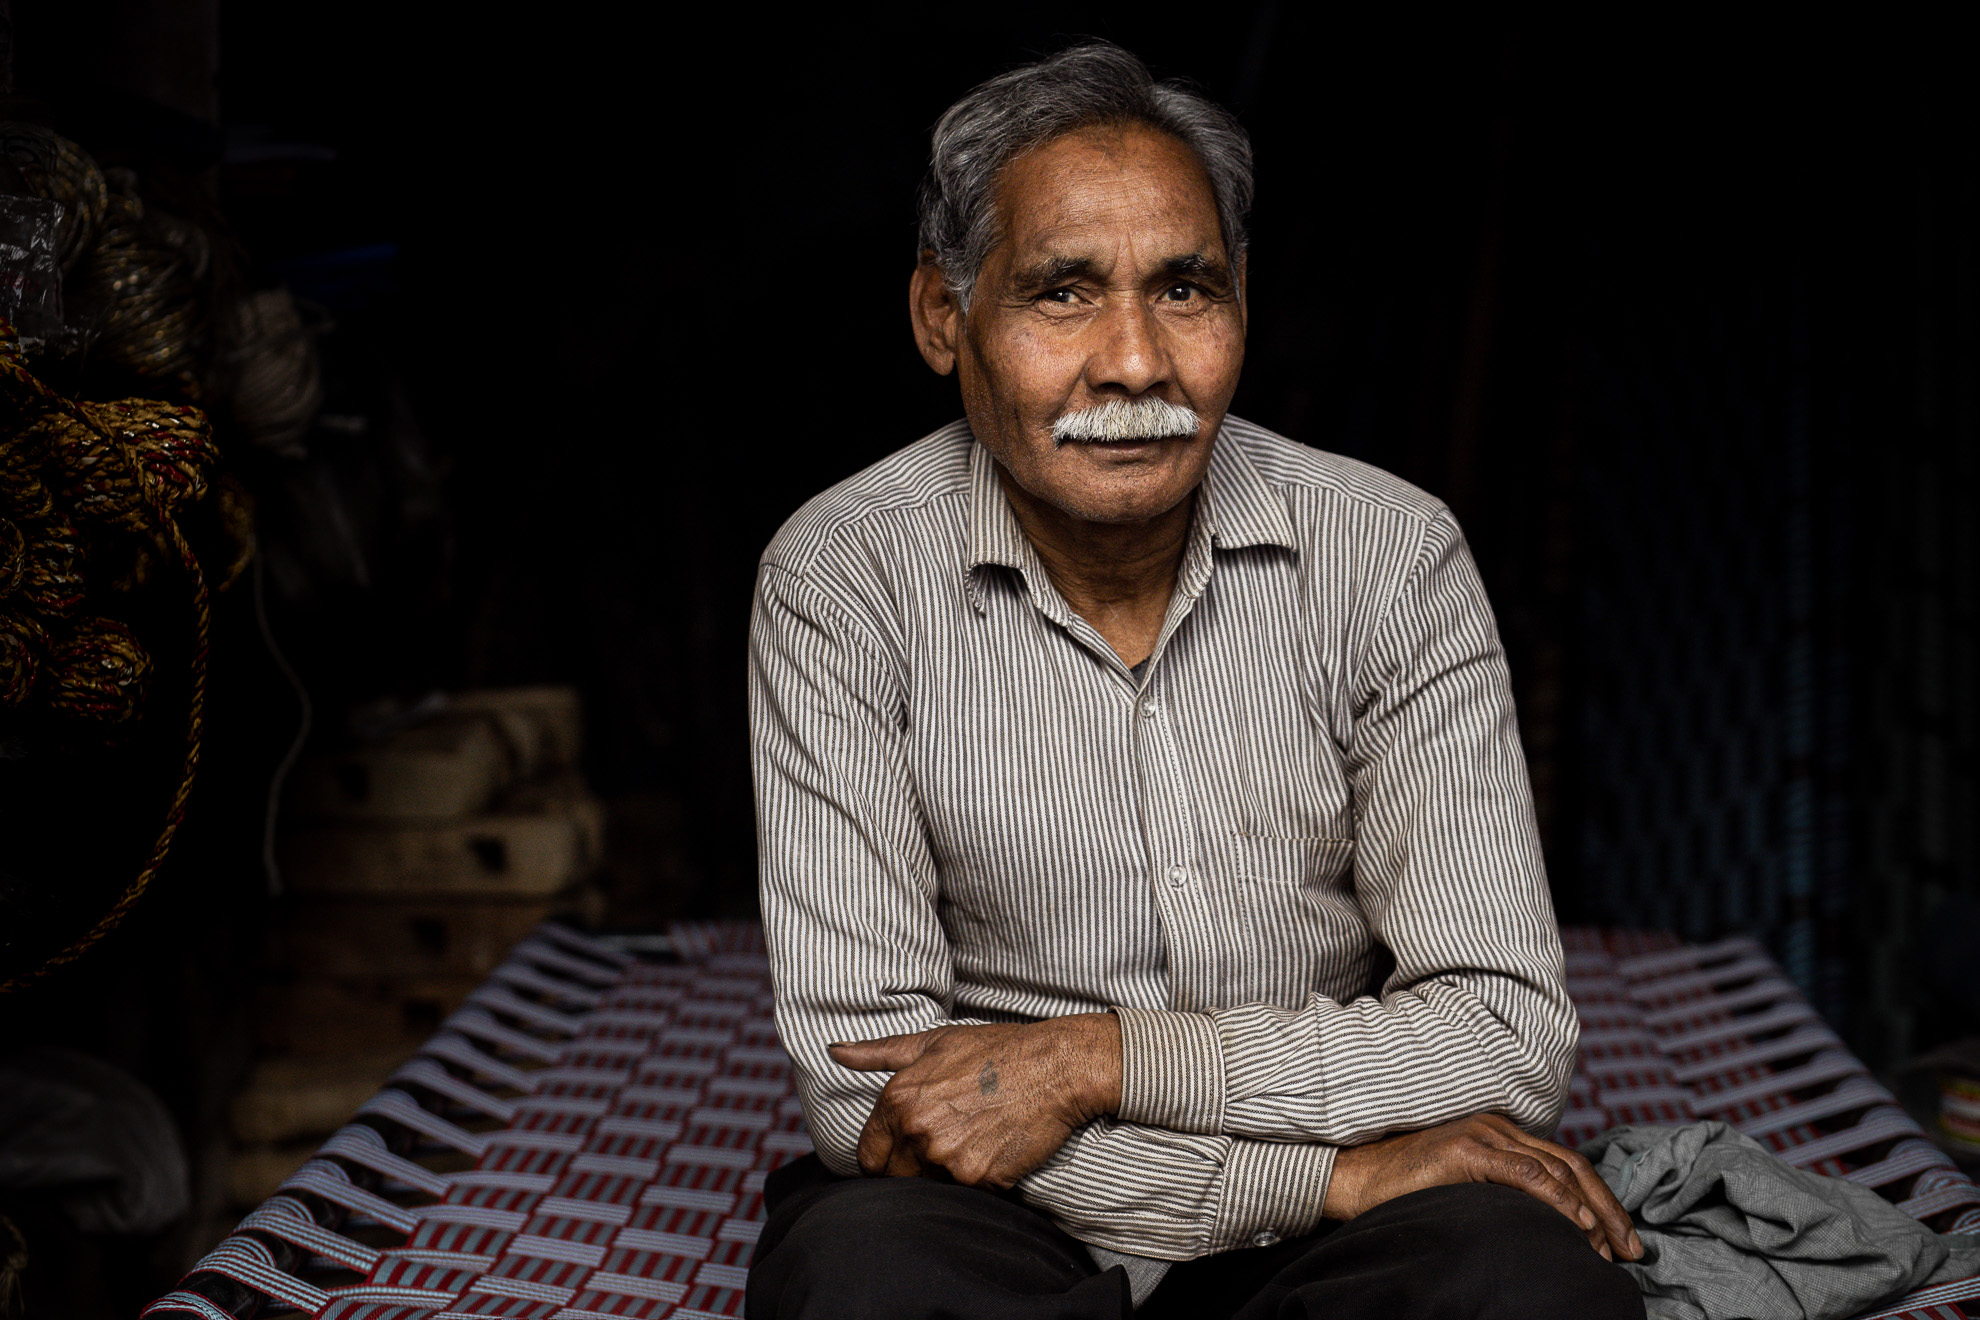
<point>1112,283</point>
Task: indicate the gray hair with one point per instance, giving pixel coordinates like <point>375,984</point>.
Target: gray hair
<point>1094,83</point>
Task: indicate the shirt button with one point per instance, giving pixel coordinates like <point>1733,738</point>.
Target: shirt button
<point>1179,875</point>
<point>1264,1237</point>
<point>1149,710</point>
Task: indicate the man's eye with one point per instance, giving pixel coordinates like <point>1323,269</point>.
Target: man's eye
<point>1179,292</point>
<point>1057,296</point>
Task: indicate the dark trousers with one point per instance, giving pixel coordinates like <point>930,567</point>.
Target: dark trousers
<point>917,1249</point>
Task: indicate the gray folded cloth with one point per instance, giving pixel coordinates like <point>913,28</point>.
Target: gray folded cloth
<point>93,1139</point>
<point>1732,1232</point>
<point>1143,1272</point>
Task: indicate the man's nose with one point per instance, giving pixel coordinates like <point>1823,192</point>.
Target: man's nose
<point>1131,354</point>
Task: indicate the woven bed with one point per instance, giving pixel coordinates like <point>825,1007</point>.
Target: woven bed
<point>588,1135</point>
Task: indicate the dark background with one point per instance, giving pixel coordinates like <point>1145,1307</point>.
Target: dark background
<point>1680,321</point>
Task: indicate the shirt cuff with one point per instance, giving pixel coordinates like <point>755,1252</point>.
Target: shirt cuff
<point>1273,1190</point>
<point>1172,1071</point>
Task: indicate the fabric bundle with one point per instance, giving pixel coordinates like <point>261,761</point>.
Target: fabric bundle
<point>1732,1232</point>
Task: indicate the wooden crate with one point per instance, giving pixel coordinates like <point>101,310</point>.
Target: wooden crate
<point>289,1098</point>
<point>547,840</point>
<point>447,768</point>
<point>413,940</point>
<point>543,726</point>
<point>353,1016</point>
<point>254,1173</point>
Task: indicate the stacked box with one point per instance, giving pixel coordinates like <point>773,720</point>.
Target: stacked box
<point>412,860</point>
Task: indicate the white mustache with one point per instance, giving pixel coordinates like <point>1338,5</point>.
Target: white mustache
<point>1118,419</point>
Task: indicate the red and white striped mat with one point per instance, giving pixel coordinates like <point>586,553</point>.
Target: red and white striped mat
<point>589,1134</point>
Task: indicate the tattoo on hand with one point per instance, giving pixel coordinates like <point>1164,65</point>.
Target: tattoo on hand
<point>986,1080</point>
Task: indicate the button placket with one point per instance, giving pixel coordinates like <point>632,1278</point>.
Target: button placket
<point>1169,839</point>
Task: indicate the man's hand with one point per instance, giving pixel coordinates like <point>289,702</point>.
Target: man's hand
<point>1482,1148</point>
<point>987,1103</point>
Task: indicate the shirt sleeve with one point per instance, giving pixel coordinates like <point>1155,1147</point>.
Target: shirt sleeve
<point>849,892</point>
<point>1475,1016</point>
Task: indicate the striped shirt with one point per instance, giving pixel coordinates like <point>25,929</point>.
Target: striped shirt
<point>1296,855</point>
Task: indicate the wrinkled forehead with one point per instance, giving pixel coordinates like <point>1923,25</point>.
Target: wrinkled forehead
<point>1101,192</point>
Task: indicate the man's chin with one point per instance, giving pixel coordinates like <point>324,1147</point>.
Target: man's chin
<point>1127,481</point>
<point>1124,505</point>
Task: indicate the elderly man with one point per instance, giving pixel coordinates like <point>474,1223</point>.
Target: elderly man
<point>1147,857</point>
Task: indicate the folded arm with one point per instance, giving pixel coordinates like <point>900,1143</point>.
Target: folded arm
<point>849,891</point>
<point>1227,1122</point>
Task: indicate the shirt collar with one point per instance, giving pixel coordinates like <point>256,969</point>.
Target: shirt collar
<point>995,537</point>
<point>1242,508</point>
<point>994,534</point>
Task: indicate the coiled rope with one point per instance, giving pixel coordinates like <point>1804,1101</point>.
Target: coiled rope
<point>58,169</point>
<point>123,465</point>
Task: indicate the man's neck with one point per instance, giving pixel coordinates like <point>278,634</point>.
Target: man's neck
<point>1116,576</point>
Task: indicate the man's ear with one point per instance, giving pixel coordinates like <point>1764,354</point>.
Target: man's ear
<point>1244,303</point>
<point>936,314</point>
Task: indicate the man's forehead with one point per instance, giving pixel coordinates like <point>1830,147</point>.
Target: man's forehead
<point>1081,196</point>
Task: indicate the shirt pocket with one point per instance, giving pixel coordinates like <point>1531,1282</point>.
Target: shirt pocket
<point>1306,860</point>
<point>1303,930</point>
